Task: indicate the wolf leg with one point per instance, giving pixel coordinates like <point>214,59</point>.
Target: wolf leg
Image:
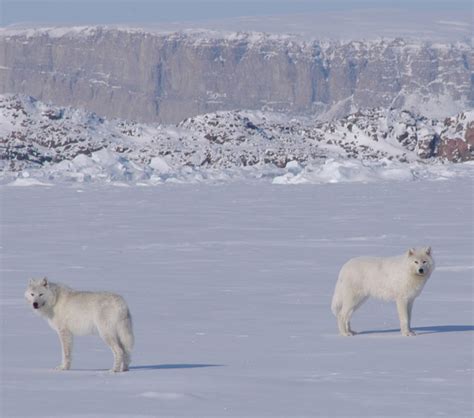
<point>66,339</point>
<point>350,305</point>
<point>404,308</point>
<point>344,321</point>
<point>113,342</point>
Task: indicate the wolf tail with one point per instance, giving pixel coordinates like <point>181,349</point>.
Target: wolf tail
<point>125,333</point>
<point>336,304</point>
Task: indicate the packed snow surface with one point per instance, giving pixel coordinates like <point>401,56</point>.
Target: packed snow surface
<point>230,289</point>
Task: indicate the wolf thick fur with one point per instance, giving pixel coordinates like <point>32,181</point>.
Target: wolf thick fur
<point>400,278</point>
<point>70,312</point>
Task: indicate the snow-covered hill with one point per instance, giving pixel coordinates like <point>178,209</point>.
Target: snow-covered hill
<point>54,143</point>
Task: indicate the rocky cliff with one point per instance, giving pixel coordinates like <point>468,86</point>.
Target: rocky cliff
<point>156,77</point>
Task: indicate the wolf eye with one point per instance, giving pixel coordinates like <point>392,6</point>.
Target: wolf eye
<point>424,262</point>
<point>41,294</point>
<point>32,294</point>
<point>416,262</point>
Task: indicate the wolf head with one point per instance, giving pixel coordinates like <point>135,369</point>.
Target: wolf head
<point>420,261</point>
<point>39,294</point>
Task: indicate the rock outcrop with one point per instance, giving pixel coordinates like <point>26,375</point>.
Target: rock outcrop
<point>35,135</point>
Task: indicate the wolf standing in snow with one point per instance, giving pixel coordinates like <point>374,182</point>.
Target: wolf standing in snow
<point>400,278</point>
<point>70,312</point>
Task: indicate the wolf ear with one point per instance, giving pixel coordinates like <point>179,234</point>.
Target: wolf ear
<point>410,252</point>
<point>44,282</point>
<point>428,250</point>
<point>31,282</point>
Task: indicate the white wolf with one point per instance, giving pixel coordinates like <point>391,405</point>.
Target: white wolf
<point>400,278</point>
<point>70,312</point>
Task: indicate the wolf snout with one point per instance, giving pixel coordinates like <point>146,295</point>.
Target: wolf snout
<point>35,305</point>
<point>421,270</point>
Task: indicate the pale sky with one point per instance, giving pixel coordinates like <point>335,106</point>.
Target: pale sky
<point>450,19</point>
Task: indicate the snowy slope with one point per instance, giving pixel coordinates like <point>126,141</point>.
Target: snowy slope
<point>230,290</point>
<point>54,144</point>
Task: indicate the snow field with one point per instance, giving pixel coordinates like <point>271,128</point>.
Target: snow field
<point>230,289</point>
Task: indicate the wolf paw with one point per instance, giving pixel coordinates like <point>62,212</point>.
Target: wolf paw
<point>62,367</point>
<point>349,333</point>
<point>409,333</point>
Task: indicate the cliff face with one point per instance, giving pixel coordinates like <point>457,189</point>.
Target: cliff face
<point>168,77</point>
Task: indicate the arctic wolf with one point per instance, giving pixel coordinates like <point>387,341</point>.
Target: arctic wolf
<point>398,278</point>
<point>70,312</point>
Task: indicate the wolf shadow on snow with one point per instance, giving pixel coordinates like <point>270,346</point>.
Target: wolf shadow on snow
<point>425,330</point>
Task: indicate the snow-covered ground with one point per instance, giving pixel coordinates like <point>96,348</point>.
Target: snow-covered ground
<point>230,287</point>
